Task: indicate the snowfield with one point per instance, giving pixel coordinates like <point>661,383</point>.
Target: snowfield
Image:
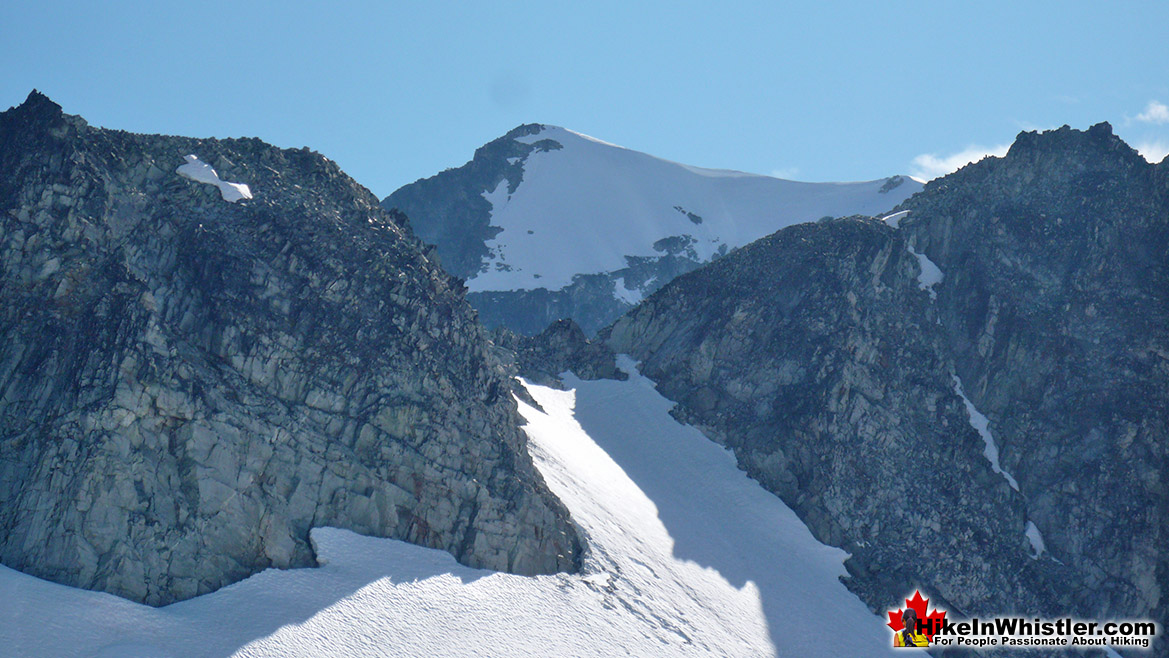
<point>688,557</point>
<point>585,207</point>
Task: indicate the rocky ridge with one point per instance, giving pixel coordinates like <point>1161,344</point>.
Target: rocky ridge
<point>561,347</point>
<point>834,366</point>
<point>1055,303</point>
<point>815,356</point>
<point>187,385</point>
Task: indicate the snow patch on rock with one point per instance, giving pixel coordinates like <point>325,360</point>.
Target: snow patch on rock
<point>982,425</point>
<point>631,296</point>
<point>930,274</point>
<point>201,172</point>
<point>596,204</point>
<point>894,220</point>
<point>1035,538</point>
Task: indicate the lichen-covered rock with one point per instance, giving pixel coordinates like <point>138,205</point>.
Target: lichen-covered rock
<point>187,385</point>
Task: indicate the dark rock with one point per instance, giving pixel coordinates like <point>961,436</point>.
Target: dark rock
<point>589,299</point>
<point>817,356</point>
<point>561,347</point>
<point>187,386</point>
<point>1055,302</point>
<point>449,209</point>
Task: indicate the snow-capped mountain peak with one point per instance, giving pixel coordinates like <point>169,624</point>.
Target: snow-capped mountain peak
<point>548,208</point>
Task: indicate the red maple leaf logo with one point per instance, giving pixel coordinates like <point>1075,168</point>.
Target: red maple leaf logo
<point>930,623</point>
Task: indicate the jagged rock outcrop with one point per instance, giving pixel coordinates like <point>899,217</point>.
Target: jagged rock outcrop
<point>833,363</point>
<point>188,385</point>
<point>562,346</point>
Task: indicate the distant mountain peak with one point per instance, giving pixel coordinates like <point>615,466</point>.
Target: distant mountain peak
<point>589,227</point>
<point>523,130</point>
<point>37,109</point>
<point>1097,143</point>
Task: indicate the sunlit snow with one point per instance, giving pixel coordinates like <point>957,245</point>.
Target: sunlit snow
<point>593,204</point>
<point>199,171</point>
<point>894,219</point>
<point>687,557</point>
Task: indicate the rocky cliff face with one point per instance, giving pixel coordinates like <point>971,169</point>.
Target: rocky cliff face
<point>187,385</point>
<point>450,209</point>
<point>1056,308</point>
<point>815,355</point>
<point>847,378</point>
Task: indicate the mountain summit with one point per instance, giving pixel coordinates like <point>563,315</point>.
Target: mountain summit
<point>546,223</point>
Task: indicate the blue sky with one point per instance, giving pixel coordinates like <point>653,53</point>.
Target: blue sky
<point>395,91</point>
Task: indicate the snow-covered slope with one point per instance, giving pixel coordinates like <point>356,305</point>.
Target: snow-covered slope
<point>688,558</point>
<point>546,223</point>
<point>587,206</point>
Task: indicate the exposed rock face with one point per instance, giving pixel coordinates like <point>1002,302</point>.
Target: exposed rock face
<point>820,357</point>
<point>188,385</point>
<point>1056,306</point>
<point>815,356</point>
<point>589,300</point>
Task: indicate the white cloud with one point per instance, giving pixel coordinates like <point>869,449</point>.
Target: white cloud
<point>1154,151</point>
<point>929,166</point>
<point>1154,113</point>
<point>787,172</point>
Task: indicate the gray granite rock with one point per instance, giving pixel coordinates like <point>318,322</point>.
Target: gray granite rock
<point>821,358</point>
<point>561,347</point>
<point>814,355</point>
<point>1056,308</point>
<point>187,386</point>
